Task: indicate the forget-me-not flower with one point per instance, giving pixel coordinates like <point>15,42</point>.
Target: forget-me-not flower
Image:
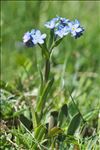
<point>34,37</point>
<point>61,32</point>
<point>59,25</point>
<point>75,29</point>
<point>27,39</point>
<point>37,37</point>
<point>63,26</point>
<point>63,21</point>
<point>52,23</point>
<point>55,22</point>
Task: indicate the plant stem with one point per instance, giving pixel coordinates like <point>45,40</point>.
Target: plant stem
<point>47,69</point>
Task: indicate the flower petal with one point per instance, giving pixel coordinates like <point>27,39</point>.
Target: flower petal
<point>33,32</point>
<point>38,33</point>
<point>73,33</point>
<point>50,24</point>
<point>26,37</point>
<point>34,41</point>
<point>43,36</point>
<point>40,41</point>
<point>79,30</point>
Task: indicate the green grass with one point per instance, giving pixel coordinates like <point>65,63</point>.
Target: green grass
<point>75,67</point>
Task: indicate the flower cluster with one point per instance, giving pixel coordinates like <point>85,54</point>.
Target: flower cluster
<point>63,26</point>
<point>34,37</point>
<point>60,27</point>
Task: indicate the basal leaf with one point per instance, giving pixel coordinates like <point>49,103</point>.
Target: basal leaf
<point>74,124</point>
<point>63,112</point>
<point>26,122</point>
<point>39,132</point>
<point>34,117</point>
<point>45,93</point>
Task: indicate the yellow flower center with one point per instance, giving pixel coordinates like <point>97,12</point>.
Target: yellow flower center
<point>73,28</point>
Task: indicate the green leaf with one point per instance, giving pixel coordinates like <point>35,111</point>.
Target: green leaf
<point>27,123</point>
<point>34,118</point>
<point>74,124</point>
<point>64,109</point>
<point>91,115</point>
<point>18,113</point>
<point>63,113</point>
<point>44,95</point>
<point>54,131</point>
<point>71,109</point>
<point>56,43</point>
<point>41,84</point>
<point>39,132</point>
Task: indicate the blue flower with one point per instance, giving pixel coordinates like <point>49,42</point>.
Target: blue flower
<point>62,31</point>
<point>59,25</point>
<point>37,37</point>
<point>55,22</point>
<point>52,23</point>
<point>63,26</point>
<point>34,37</point>
<point>75,29</point>
<point>63,21</point>
<point>27,39</point>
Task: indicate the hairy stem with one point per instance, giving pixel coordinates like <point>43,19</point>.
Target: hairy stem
<point>47,69</point>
